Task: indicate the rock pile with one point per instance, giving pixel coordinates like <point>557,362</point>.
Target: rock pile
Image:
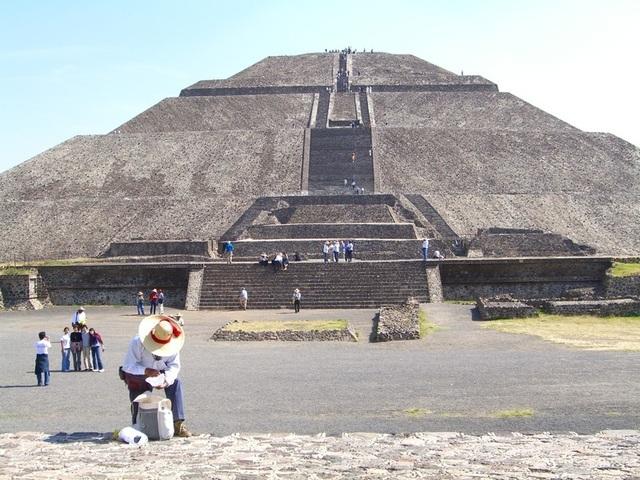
<point>398,323</point>
<point>286,335</point>
<point>503,306</point>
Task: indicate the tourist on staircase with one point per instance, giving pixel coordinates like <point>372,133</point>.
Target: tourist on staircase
<point>425,249</point>
<point>228,251</point>
<point>297,296</point>
<point>244,298</point>
<point>325,251</point>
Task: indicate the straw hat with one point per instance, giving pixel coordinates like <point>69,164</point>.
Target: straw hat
<point>161,335</point>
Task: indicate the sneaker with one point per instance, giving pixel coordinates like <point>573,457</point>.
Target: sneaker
<point>180,430</point>
<point>100,371</point>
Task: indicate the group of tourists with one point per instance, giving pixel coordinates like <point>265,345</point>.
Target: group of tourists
<point>279,261</point>
<point>156,302</point>
<point>332,250</point>
<point>82,345</point>
<point>425,251</point>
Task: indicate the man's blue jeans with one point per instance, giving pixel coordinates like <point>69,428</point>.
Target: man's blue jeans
<point>66,359</point>
<point>425,252</point>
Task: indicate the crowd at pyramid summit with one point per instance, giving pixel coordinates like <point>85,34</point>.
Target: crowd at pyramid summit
<point>191,165</point>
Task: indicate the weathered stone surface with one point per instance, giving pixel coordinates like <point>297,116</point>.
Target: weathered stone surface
<point>284,335</point>
<point>466,110</point>
<point>462,174</point>
<point>605,455</point>
<point>613,307</point>
<point>288,70</point>
<point>197,114</point>
<point>398,323</point>
<point>503,306</point>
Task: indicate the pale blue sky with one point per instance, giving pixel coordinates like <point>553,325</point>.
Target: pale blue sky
<point>80,67</point>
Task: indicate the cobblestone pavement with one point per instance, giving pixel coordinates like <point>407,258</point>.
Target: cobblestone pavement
<point>605,455</point>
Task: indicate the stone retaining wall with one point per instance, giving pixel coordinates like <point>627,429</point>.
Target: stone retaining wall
<point>332,230</point>
<point>114,284</point>
<point>164,247</point>
<point>619,287</point>
<point>525,278</point>
<point>398,323</point>
<point>603,308</point>
<point>22,292</point>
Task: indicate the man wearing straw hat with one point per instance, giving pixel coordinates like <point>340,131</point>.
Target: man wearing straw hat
<point>154,351</point>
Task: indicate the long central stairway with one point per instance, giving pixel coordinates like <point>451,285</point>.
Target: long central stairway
<point>331,285</point>
<point>331,160</point>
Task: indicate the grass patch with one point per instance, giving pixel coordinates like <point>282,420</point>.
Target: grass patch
<point>279,326</point>
<point>579,331</point>
<point>426,327</point>
<point>461,302</point>
<point>620,269</point>
<point>513,413</point>
<point>15,271</point>
<point>416,412</point>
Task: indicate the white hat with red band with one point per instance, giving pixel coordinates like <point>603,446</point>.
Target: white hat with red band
<point>161,335</point>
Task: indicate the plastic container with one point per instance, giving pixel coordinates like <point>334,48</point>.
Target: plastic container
<point>155,418</point>
<point>132,436</point>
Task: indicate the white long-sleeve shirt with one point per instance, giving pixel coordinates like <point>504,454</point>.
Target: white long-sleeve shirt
<point>43,346</point>
<point>138,358</point>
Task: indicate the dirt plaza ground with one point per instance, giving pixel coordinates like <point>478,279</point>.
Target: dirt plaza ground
<point>461,378</point>
<point>480,404</point>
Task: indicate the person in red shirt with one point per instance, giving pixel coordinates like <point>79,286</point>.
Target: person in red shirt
<point>153,300</point>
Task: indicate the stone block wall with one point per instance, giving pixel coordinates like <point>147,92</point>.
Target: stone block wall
<point>387,249</point>
<point>619,287</point>
<point>505,307</point>
<point>202,248</point>
<point>333,231</point>
<point>398,323</point>
<point>522,278</point>
<point>22,292</point>
<point>604,308</point>
<point>114,284</point>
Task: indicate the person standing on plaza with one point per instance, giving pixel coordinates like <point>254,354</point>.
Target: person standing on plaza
<point>76,348</point>
<point>228,251</point>
<point>65,349</point>
<point>155,351</point>
<point>42,359</point>
<point>153,301</point>
<point>161,301</point>
<point>425,249</point>
<point>140,303</point>
<point>97,346</point>
<point>86,349</point>
<point>244,298</point>
<point>297,296</point>
<point>79,317</point>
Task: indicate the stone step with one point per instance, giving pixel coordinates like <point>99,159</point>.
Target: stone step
<point>364,249</point>
<point>342,285</point>
<point>333,230</point>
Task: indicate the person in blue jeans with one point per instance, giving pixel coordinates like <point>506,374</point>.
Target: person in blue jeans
<point>65,349</point>
<point>140,303</point>
<point>425,249</point>
<point>97,346</point>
